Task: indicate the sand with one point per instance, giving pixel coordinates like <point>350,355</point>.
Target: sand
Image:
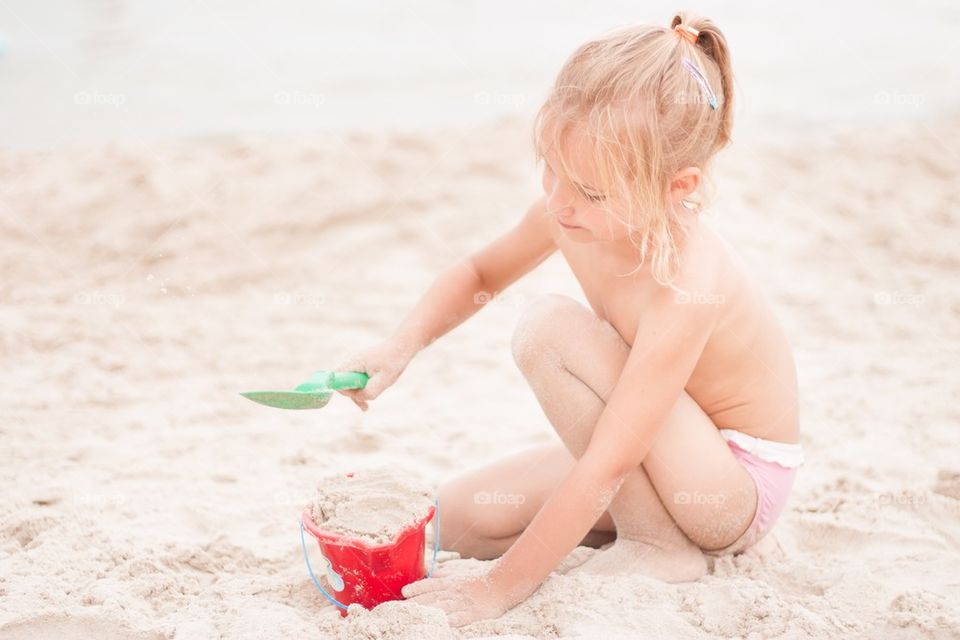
<point>372,506</point>
<point>145,286</point>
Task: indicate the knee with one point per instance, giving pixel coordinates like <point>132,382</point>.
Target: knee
<point>541,326</point>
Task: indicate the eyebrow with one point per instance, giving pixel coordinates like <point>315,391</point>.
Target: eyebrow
<point>581,187</point>
<point>584,187</point>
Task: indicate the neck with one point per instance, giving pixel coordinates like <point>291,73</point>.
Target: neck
<point>623,257</point>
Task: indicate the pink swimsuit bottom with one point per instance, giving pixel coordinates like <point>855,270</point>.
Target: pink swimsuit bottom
<point>773,467</point>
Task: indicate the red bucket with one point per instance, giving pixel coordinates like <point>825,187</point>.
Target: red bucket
<point>368,574</point>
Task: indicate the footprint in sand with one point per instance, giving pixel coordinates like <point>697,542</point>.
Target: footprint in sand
<point>948,483</point>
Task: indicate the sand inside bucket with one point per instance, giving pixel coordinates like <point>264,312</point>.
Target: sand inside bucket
<point>373,506</point>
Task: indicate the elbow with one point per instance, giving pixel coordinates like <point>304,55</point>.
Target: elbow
<point>473,269</point>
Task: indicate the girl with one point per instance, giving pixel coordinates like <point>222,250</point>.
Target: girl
<point>674,395</point>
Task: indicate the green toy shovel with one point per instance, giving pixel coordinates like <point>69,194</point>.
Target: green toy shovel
<point>312,394</point>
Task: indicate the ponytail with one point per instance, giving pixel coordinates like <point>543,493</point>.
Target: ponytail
<point>711,41</point>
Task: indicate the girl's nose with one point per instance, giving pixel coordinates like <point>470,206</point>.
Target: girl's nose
<point>559,200</point>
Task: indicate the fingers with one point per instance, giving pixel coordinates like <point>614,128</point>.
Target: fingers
<point>382,369</point>
<point>460,618</point>
<point>357,398</point>
<point>420,587</point>
<point>360,397</point>
<point>441,594</point>
<point>439,599</point>
<point>375,386</point>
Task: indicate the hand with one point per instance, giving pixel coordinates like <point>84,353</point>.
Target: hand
<point>464,599</point>
<point>382,363</point>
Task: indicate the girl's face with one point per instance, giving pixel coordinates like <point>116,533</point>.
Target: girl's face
<point>581,210</point>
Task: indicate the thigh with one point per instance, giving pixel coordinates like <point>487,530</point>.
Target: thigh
<point>706,490</point>
<point>500,499</point>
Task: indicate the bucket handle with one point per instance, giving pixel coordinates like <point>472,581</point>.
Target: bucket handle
<point>306,558</point>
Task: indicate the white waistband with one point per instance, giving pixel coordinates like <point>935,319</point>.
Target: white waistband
<point>786,454</point>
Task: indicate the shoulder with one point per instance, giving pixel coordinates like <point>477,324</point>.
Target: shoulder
<point>704,267</point>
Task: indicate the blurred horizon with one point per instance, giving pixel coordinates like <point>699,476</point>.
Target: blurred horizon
<point>85,72</point>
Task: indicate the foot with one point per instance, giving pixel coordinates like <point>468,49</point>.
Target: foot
<point>631,557</point>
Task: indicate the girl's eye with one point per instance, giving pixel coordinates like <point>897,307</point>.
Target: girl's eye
<point>594,198</point>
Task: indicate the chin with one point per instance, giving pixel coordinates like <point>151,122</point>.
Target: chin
<point>582,235</point>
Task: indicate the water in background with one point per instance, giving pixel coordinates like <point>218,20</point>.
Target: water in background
<point>90,71</point>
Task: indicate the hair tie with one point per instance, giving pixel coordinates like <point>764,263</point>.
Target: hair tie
<point>687,33</point>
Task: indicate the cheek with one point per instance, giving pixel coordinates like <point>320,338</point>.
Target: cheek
<point>548,181</point>
<point>606,225</point>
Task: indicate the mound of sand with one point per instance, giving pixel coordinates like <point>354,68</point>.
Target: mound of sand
<point>372,506</point>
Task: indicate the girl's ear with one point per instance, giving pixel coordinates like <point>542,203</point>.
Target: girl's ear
<point>685,182</point>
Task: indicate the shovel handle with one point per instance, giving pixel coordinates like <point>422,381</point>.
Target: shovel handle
<point>334,381</point>
<point>348,380</point>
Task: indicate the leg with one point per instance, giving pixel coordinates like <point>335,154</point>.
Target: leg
<point>484,511</point>
<point>689,493</point>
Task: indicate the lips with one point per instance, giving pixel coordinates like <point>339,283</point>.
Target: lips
<point>568,226</point>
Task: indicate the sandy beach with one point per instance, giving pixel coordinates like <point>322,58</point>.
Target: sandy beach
<point>145,285</point>
<point>203,198</point>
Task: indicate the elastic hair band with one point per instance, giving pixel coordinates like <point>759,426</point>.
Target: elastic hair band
<point>686,32</point>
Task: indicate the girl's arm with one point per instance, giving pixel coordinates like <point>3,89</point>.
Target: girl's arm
<point>461,289</point>
<point>666,348</point>
<point>457,293</point>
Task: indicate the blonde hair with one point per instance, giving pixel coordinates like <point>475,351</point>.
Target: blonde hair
<point>647,117</point>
